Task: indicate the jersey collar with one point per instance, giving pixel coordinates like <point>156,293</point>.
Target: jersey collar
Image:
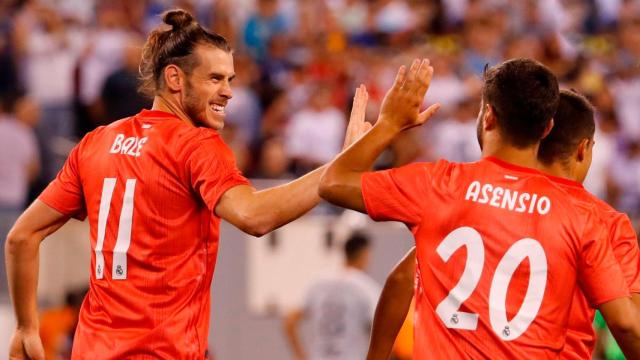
<point>519,168</point>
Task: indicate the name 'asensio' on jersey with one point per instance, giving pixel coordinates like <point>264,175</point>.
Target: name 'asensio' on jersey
<point>505,198</point>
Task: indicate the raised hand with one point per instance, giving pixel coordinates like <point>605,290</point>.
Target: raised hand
<point>401,105</point>
<point>357,125</point>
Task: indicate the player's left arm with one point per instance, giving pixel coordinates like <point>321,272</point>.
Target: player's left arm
<point>341,181</point>
<point>259,212</point>
<point>392,308</point>
<point>22,259</point>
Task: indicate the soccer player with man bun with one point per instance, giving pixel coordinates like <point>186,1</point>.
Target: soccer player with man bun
<point>500,246</point>
<point>154,187</point>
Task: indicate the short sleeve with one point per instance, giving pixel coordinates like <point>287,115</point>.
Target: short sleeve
<point>599,274</point>
<point>624,243</point>
<point>64,193</point>
<point>397,194</point>
<point>212,169</point>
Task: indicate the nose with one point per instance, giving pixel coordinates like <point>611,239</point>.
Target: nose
<point>225,90</point>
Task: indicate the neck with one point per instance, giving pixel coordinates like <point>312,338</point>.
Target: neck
<point>521,157</point>
<point>559,170</point>
<point>527,157</point>
<point>161,103</point>
<point>353,265</point>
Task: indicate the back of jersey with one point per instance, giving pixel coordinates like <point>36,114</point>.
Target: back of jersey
<point>500,249</point>
<point>148,185</point>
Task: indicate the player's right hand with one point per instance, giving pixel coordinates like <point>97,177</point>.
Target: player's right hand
<point>26,344</point>
<point>401,105</point>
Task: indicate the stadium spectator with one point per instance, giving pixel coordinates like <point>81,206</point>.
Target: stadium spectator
<point>19,161</point>
<point>313,135</point>
<point>262,26</point>
<point>339,309</point>
<point>120,97</point>
<point>48,50</point>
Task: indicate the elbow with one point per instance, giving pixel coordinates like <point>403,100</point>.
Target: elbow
<point>255,224</point>
<point>16,240</point>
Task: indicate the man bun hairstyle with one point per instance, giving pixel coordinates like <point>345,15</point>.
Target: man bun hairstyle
<point>174,43</point>
<point>524,96</point>
<point>178,19</point>
<point>574,121</point>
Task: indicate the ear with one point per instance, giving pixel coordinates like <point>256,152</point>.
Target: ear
<point>174,78</point>
<point>581,151</point>
<point>547,129</point>
<point>489,121</point>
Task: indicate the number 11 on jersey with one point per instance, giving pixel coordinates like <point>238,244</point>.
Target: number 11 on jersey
<point>119,267</point>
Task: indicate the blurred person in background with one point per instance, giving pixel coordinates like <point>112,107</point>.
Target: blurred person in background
<point>606,138</point>
<point>119,96</point>
<point>273,162</point>
<point>262,26</point>
<point>456,138</point>
<point>19,161</point>
<point>483,42</point>
<point>47,51</point>
<point>313,135</point>
<point>103,54</point>
<point>625,87</point>
<point>8,67</point>
<point>245,111</point>
<point>339,309</point>
<point>624,178</point>
<point>58,325</point>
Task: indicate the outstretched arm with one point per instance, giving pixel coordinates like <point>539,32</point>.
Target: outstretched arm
<point>392,308</point>
<point>259,212</point>
<point>22,258</point>
<point>340,183</point>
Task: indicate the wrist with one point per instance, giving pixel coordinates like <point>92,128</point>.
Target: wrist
<point>28,326</point>
<point>387,126</point>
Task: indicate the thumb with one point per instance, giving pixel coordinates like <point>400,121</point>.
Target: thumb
<point>427,114</point>
<point>33,347</point>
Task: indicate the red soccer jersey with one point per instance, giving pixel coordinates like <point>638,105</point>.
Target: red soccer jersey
<point>149,185</point>
<point>621,236</point>
<point>500,250</point>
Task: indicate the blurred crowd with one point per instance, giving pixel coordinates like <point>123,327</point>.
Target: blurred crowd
<point>68,66</point>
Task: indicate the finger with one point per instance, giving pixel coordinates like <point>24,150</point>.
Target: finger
<point>355,104</point>
<point>423,73</point>
<point>363,104</point>
<point>359,103</point>
<point>400,78</point>
<point>412,74</point>
<point>426,115</point>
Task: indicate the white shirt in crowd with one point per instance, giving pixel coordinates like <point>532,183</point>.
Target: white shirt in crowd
<point>315,136</point>
<point>340,310</point>
<point>18,150</point>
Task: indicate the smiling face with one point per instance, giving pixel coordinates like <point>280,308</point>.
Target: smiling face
<point>207,89</point>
